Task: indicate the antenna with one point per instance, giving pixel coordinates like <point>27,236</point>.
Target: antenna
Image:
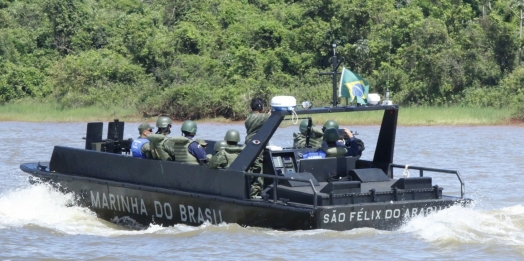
<point>389,70</point>
<point>334,73</point>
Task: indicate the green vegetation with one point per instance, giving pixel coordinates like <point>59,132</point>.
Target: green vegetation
<point>45,111</point>
<point>195,59</point>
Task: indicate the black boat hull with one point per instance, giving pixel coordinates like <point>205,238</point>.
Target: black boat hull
<point>119,202</point>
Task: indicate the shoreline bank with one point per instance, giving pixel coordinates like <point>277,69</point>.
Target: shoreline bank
<point>408,116</point>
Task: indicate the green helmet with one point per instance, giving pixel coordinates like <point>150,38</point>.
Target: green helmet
<point>163,121</point>
<point>220,145</point>
<point>331,124</point>
<point>303,126</point>
<point>189,126</point>
<point>331,135</point>
<point>232,136</point>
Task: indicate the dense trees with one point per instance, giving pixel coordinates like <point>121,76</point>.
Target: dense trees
<point>195,58</point>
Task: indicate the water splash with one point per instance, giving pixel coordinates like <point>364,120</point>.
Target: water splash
<point>44,206</point>
<point>458,225</point>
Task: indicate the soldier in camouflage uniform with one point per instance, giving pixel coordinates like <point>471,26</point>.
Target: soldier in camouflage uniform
<point>346,140</point>
<point>219,145</point>
<point>253,123</point>
<point>163,123</point>
<point>332,149</point>
<point>186,148</point>
<point>224,158</point>
<point>315,138</point>
<point>256,119</point>
<point>159,143</point>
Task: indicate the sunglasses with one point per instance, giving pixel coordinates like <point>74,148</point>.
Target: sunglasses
<point>150,130</point>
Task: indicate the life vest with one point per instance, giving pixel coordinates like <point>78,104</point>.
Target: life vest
<point>180,149</point>
<point>231,154</point>
<point>136,147</point>
<point>337,152</point>
<point>224,158</point>
<point>156,144</point>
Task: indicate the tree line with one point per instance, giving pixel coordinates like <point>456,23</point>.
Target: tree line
<point>207,58</point>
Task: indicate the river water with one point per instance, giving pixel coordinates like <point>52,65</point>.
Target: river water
<point>37,222</point>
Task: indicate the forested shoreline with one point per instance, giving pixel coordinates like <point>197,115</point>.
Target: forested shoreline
<point>198,59</point>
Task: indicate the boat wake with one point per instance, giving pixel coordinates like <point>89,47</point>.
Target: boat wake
<point>458,225</point>
<point>43,206</point>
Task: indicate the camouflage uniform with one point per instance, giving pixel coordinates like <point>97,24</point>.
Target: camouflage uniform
<point>253,123</point>
<point>225,157</point>
<point>161,147</point>
<point>315,140</point>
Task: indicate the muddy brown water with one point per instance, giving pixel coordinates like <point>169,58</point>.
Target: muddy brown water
<point>36,222</point>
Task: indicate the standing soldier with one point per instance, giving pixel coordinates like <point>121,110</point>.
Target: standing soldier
<point>253,123</point>
<point>256,119</point>
<point>140,147</point>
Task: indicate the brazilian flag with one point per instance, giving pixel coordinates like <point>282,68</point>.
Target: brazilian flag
<point>353,86</point>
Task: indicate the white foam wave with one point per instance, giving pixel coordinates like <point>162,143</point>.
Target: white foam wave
<point>43,206</point>
<point>469,225</point>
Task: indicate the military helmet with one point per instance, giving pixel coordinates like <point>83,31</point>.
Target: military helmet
<point>163,121</point>
<point>189,126</point>
<point>232,136</point>
<point>144,126</point>
<point>220,145</point>
<point>303,126</point>
<point>331,135</point>
<point>331,124</point>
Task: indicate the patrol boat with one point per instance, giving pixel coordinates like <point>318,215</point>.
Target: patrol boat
<point>338,193</point>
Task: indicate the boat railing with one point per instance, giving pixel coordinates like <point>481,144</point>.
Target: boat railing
<point>275,184</point>
<point>421,173</point>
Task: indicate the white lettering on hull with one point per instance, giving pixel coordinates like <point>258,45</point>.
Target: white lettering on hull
<point>135,205</point>
<point>187,215</point>
<point>371,215</point>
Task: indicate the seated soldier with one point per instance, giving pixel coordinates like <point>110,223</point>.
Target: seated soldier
<point>140,147</point>
<point>315,136</point>
<point>219,145</point>
<point>353,145</point>
<point>331,149</point>
<point>225,157</point>
<point>186,149</point>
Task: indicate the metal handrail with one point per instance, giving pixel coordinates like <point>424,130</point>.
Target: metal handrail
<point>421,174</point>
<point>275,184</point>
